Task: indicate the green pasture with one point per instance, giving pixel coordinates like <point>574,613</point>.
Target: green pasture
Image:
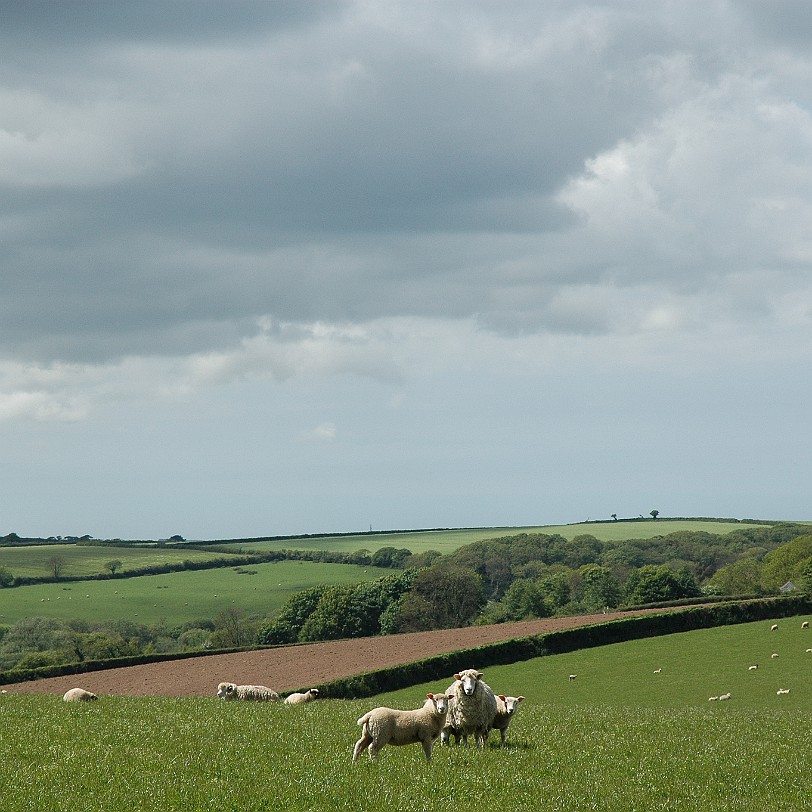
<point>178,597</point>
<point>80,560</point>
<point>446,541</point>
<point>616,739</point>
<point>693,667</point>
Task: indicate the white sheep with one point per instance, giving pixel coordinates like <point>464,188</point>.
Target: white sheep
<point>506,706</point>
<point>713,699</point>
<point>471,709</point>
<point>782,691</point>
<point>382,726</point>
<point>299,697</point>
<point>805,624</point>
<point>723,697</point>
<point>573,677</point>
<point>658,671</point>
<point>79,695</point>
<point>774,627</point>
<point>752,667</point>
<point>259,693</point>
<point>774,656</point>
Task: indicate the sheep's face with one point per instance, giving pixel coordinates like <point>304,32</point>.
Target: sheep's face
<point>510,703</point>
<point>469,680</point>
<point>440,702</point>
<point>226,690</point>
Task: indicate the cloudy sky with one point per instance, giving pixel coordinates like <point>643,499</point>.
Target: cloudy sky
<point>286,267</point>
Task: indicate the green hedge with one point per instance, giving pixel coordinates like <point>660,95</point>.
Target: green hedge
<point>442,666</point>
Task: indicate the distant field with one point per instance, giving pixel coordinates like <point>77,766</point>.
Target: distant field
<point>446,541</point>
<point>80,560</point>
<point>177,597</point>
<point>695,665</point>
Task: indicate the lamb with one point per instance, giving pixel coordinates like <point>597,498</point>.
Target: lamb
<point>805,624</point>
<point>505,708</point>
<point>259,693</point>
<point>752,667</point>
<point>573,677</point>
<point>774,627</point>
<point>382,726</point>
<point>79,695</point>
<point>782,691</point>
<point>299,697</point>
<point>723,697</point>
<point>472,708</point>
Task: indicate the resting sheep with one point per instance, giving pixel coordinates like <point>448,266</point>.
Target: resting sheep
<point>383,726</point>
<point>781,691</point>
<point>774,627</point>
<point>471,708</point>
<point>805,624</point>
<point>299,697</point>
<point>505,708</point>
<point>79,695</point>
<point>259,693</point>
<point>723,697</point>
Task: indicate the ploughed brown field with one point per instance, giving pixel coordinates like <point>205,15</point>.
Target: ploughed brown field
<point>294,667</point>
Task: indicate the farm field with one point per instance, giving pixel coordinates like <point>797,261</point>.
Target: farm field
<point>625,742</point>
<point>81,560</point>
<point>446,541</point>
<point>177,597</point>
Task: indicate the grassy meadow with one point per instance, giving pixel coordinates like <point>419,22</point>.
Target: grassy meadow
<point>618,738</point>
<point>446,541</point>
<point>178,597</point>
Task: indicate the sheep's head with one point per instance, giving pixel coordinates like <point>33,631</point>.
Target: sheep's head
<point>440,702</point>
<point>469,679</point>
<point>510,703</point>
<point>226,690</point>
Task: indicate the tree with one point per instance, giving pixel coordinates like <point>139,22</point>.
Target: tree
<point>599,587</point>
<point>656,583</point>
<point>6,578</point>
<point>786,562</point>
<point>654,514</point>
<point>56,565</point>
<point>113,566</point>
<point>231,629</point>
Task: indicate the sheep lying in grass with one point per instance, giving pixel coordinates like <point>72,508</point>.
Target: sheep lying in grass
<point>383,726</point>
<point>781,691</point>
<point>505,708</point>
<point>258,693</point>
<point>300,697</point>
<point>471,708</point>
<point>723,697</point>
<point>79,695</point>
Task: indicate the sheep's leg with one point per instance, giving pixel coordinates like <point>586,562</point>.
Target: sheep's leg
<point>427,745</point>
<point>363,742</point>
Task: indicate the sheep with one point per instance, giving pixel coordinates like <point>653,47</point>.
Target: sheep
<point>752,668</point>
<point>713,699</point>
<point>805,624</point>
<point>658,671</point>
<point>505,708</point>
<point>774,627</point>
<point>573,677</point>
<point>774,656</point>
<point>298,697</point>
<point>782,691</point>
<point>382,726</point>
<point>259,693</point>
<point>723,697</point>
<point>79,695</point>
<point>809,651</point>
<point>472,708</point>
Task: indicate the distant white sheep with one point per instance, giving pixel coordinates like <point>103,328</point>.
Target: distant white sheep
<point>774,656</point>
<point>506,706</point>
<point>658,671</point>
<point>79,695</point>
<point>781,691</point>
<point>805,624</point>
<point>382,726</point>
<point>723,697</point>
<point>752,668</point>
<point>472,708</point>
<point>300,697</point>
<point>713,699</point>
<point>257,693</point>
<point>774,627</point>
<point>573,677</point>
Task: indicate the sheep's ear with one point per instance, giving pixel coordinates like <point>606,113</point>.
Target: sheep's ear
<point>501,696</point>
<point>456,676</point>
<point>449,696</point>
<point>479,675</point>
<point>429,696</point>
<point>520,699</point>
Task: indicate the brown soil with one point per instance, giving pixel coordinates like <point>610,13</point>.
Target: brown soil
<point>295,667</point>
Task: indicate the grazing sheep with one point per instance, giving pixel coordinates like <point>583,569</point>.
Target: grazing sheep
<point>809,651</point>
<point>805,624</point>
<point>505,708</point>
<point>299,698</point>
<point>782,691</point>
<point>774,655</point>
<point>382,726</point>
<point>573,677</point>
<point>774,627</point>
<point>723,697</point>
<point>79,695</point>
<point>259,693</point>
<point>713,699</point>
<point>658,671</point>
<point>752,668</point>
<point>471,710</point>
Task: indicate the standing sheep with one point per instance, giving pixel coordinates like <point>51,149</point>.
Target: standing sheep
<point>505,708</point>
<point>259,693</point>
<point>471,708</point>
<point>383,726</point>
<point>79,695</point>
<point>299,698</point>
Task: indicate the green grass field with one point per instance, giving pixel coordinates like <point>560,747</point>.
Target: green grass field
<point>178,597</point>
<point>80,560</point>
<point>618,738</point>
<point>446,541</point>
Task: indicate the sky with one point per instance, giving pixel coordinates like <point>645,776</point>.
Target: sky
<point>274,268</point>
